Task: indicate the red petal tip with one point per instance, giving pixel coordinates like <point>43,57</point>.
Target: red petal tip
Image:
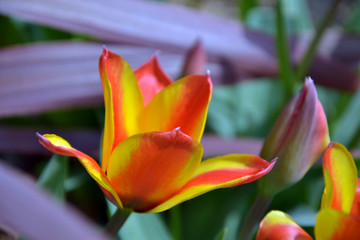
<point>105,52</point>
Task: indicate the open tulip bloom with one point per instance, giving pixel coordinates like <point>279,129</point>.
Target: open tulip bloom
<point>339,216</point>
<point>151,155</point>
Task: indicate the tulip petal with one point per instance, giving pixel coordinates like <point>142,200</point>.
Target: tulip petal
<point>219,172</point>
<point>340,177</point>
<point>146,169</point>
<point>182,104</point>
<point>60,146</point>
<point>355,210</point>
<point>123,102</point>
<point>335,225</point>
<point>277,225</point>
<point>151,78</point>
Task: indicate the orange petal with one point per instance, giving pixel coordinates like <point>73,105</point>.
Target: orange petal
<point>182,104</point>
<point>60,146</point>
<point>355,210</point>
<point>220,172</point>
<point>123,102</point>
<point>151,78</point>
<point>146,169</point>
<point>335,225</point>
<point>277,225</point>
<point>340,177</point>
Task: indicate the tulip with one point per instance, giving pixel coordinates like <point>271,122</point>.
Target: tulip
<point>151,155</point>
<point>298,138</point>
<point>277,225</point>
<point>339,216</point>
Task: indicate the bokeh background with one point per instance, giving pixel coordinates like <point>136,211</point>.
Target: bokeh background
<point>254,51</point>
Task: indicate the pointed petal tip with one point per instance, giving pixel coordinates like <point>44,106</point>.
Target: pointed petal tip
<point>154,58</point>
<point>156,54</point>
<point>105,52</point>
<point>309,80</point>
<point>273,162</point>
<point>309,83</point>
<point>42,138</point>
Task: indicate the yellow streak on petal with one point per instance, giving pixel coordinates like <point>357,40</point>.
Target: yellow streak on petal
<point>220,172</point>
<point>59,145</point>
<point>340,177</point>
<point>335,225</point>
<point>278,217</point>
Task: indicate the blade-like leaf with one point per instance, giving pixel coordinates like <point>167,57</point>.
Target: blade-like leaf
<point>27,210</point>
<point>246,52</point>
<point>17,140</point>
<point>37,78</point>
<point>102,20</point>
<point>348,125</point>
<point>54,175</point>
<point>221,235</point>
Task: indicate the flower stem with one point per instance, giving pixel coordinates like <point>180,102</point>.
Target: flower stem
<point>175,222</point>
<point>310,52</point>
<point>254,216</point>
<point>116,222</point>
<point>286,72</point>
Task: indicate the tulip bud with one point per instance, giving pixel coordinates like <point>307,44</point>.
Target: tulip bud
<point>298,138</point>
<point>195,60</point>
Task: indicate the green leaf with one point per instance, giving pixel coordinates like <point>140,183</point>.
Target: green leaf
<point>352,23</point>
<point>144,226</point>
<point>303,215</point>
<point>148,226</point>
<point>245,6</point>
<point>221,235</point>
<point>297,15</point>
<point>348,125</point>
<point>11,34</point>
<point>261,19</point>
<point>54,175</point>
<point>247,108</point>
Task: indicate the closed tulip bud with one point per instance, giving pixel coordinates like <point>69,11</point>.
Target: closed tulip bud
<point>298,138</point>
<point>195,60</point>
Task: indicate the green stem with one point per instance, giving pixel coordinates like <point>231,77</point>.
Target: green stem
<point>287,74</point>
<point>175,222</point>
<point>254,216</point>
<point>307,59</point>
<point>116,222</point>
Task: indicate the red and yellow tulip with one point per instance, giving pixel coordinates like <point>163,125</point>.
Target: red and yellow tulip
<point>151,155</point>
<point>339,216</point>
<point>277,225</point>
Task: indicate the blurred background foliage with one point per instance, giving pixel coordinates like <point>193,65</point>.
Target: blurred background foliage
<point>244,105</point>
